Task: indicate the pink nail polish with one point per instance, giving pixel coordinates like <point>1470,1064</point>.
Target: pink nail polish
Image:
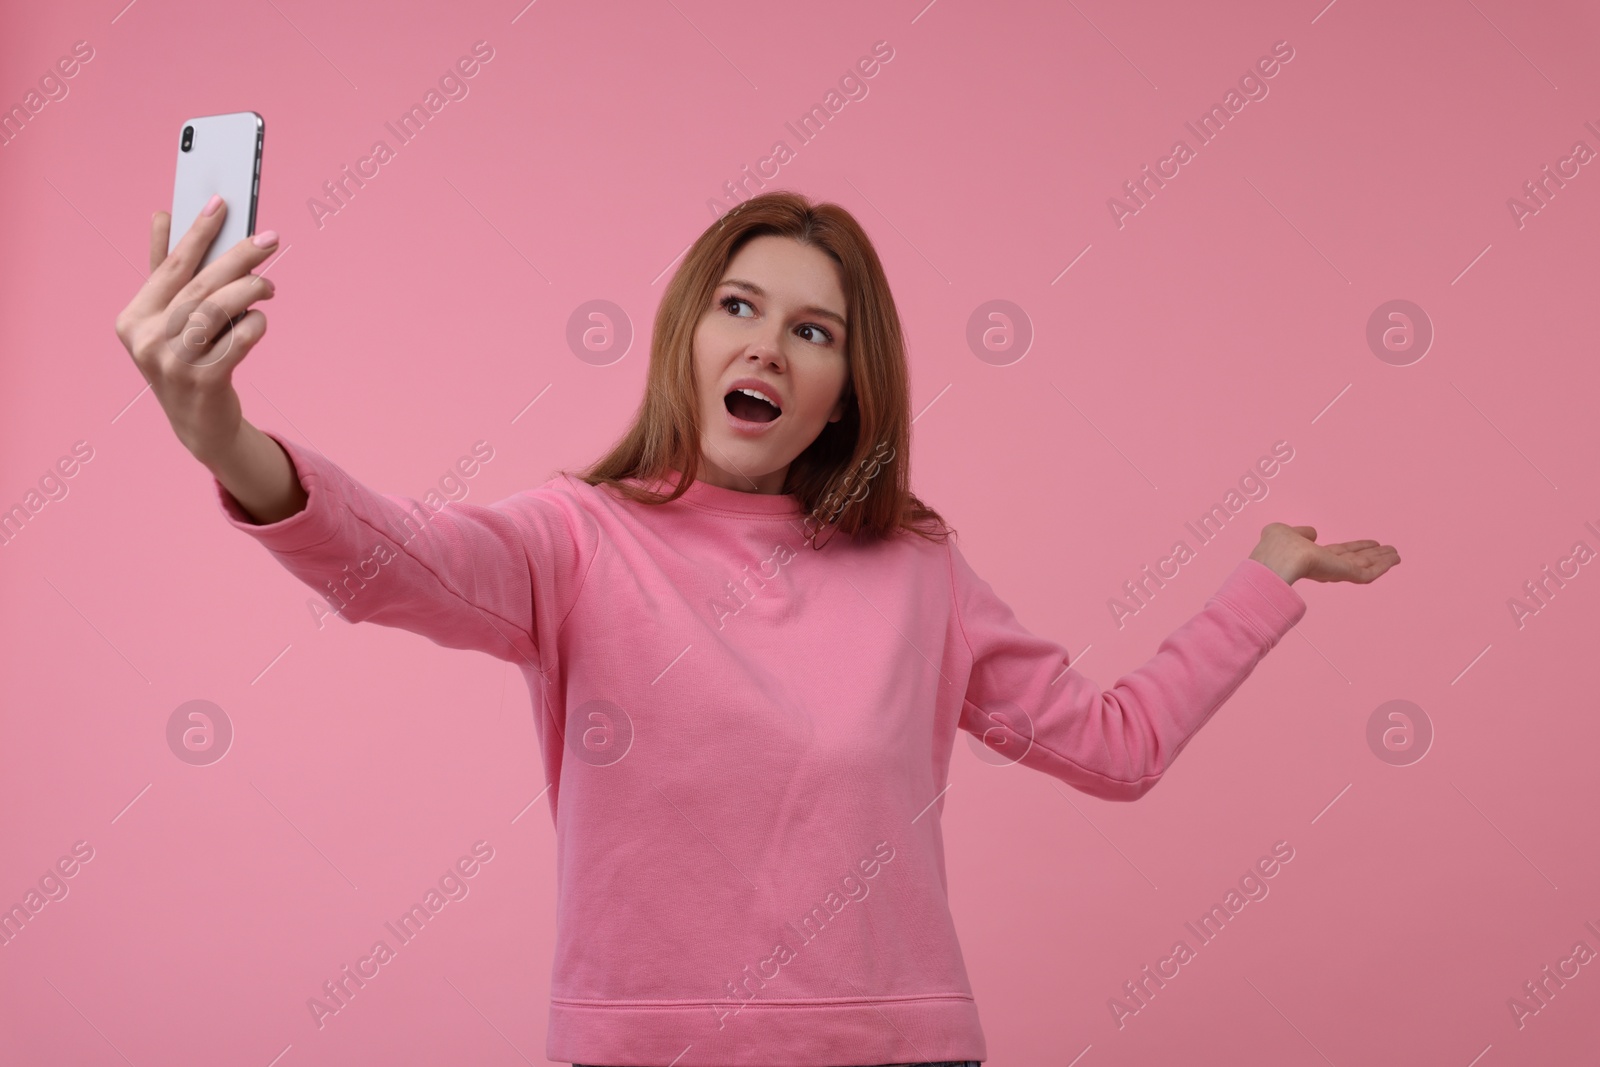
<point>265,239</point>
<point>212,205</point>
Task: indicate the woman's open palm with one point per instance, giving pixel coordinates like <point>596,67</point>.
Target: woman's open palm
<point>1345,561</point>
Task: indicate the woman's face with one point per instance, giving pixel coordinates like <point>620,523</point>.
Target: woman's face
<point>777,318</point>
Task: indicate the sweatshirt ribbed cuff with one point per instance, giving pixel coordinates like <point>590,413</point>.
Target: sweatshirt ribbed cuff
<point>317,522</point>
<point>1267,602</point>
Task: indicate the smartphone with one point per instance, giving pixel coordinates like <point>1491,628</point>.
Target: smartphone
<point>218,154</point>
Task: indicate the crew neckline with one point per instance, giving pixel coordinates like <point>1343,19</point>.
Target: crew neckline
<point>703,494</point>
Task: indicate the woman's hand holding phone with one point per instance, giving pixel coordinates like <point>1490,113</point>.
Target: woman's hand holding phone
<point>186,333</point>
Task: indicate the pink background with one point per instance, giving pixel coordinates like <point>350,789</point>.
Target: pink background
<point>1228,314</point>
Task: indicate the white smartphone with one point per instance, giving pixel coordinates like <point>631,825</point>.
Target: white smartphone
<point>218,154</point>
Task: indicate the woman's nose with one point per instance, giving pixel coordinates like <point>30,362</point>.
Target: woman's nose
<point>765,352</point>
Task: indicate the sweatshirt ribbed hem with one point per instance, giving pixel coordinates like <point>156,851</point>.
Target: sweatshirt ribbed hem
<point>766,1033</point>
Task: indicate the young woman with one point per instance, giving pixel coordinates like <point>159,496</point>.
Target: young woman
<point>749,645</point>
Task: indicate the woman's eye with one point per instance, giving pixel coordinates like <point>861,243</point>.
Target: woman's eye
<point>727,303</point>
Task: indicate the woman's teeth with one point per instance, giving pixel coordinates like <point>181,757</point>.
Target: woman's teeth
<point>750,405</point>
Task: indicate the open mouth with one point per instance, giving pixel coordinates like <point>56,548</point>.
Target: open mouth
<point>750,406</point>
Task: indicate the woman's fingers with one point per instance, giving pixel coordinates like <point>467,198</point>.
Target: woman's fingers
<point>174,287</point>
<point>236,263</point>
<point>173,272</point>
<point>244,335</point>
<point>1361,565</point>
<point>211,342</point>
<point>145,301</point>
<point>212,329</point>
<point>160,234</point>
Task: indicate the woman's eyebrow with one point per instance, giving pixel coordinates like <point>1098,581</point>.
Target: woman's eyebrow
<point>810,309</point>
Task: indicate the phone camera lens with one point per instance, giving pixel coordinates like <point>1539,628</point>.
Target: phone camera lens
<point>188,137</point>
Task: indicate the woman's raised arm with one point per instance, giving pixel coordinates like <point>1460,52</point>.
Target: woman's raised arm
<point>498,578</point>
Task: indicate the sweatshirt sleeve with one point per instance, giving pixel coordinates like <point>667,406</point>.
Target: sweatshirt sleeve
<point>498,578</point>
<point>1114,743</point>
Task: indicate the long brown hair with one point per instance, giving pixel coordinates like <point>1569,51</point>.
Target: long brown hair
<point>855,477</point>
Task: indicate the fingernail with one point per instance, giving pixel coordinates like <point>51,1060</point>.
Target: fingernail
<point>265,239</point>
<point>212,204</point>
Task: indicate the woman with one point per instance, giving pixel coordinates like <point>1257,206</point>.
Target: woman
<point>750,645</point>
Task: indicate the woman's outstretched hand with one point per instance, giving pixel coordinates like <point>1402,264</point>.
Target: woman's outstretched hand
<point>188,327</point>
<point>1292,552</point>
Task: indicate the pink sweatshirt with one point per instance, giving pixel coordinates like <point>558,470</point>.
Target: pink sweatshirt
<point>747,743</point>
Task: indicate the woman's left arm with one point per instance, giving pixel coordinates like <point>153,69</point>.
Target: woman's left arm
<point>1117,743</point>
